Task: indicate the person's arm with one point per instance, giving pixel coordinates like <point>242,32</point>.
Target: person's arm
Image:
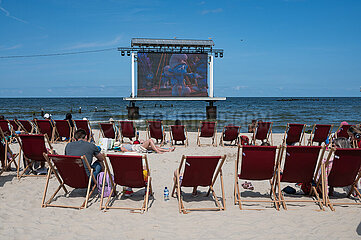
<point>101,159</point>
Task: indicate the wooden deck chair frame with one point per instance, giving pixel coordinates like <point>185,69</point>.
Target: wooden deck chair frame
<point>218,172</point>
<point>7,150</point>
<point>339,128</point>
<point>313,191</point>
<point>121,130</point>
<point>116,131</point>
<point>46,203</point>
<point>269,134</point>
<point>310,140</point>
<point>221,142</point>
<point>11,130</point>
<point>186,143</point>
<point>53,134</point>
<point>71,133</point>
<point>30,161</point>
<point>163,133</point>
<point>214,137</point>
<point>91,135</point>
<point>22,127</point>
<point>149,191</point>
<point>285,135</point>
<point>237,193</point>
<point>353,189</point>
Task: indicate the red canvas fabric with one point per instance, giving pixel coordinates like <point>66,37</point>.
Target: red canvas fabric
<point>83,124</point>
<point>230,133</point>
<point>108,130</point>
<point>26,124</point>
<point>127,128</point>
<point>294,133</point>
<point>321,132</point>
<point>343,131</point>
<point>262,130</point>
<point>63,128</point>
<point>4,125</point>
<point>178,132</point>
<point>208,129</point>
<point>155,129</point>
<point>45,127</point>
<point>33,146</point>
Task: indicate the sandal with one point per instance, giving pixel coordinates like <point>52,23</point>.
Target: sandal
<point>247,185</point>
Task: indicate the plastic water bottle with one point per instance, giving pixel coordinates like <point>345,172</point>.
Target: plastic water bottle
<point>166,194</point>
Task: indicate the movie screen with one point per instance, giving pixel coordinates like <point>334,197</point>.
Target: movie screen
<point>172,75</point>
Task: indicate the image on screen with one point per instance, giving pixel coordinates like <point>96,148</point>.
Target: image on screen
<point>172,75</point>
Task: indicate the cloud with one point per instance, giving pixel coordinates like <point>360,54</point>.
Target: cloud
<point>237,88</point>
<point>202,3</point>
<point>217,10</point>
<point>3,48</point>
<point>95,44</point>
<point>7,14</point>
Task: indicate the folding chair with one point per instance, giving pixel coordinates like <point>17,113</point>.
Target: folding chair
<point>319,133</point>
<point>7,131</point>
<point>293,134</point>
<point>263,132</point>
<point>207,130</point>
<point>346,171</point>
<point>258,163</point>
<point>342,131</point>
<point>230,133</point>
<point>70,171</point>
<point>107,130</point>
<point>200,171</point>
<point>6,155</point>
<point>45,127</point>
<point>32,147</point>
<point>128,171</point>
<point>155,130</point>
<point>178,133</point>
<point>14,125</point>
<point>63,130</point>
<point>299,167</point>
<point>127,130</point>
<point>25,126</point>
<point>84,124</point>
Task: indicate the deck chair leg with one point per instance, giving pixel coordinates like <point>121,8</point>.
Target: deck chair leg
<point>54,194</point>
<point>87,192</point>
<point>222,188</point>
<point>215,198</point>
<point>103,186</point>
<point>318,198</point>
<point>45,189</point>
<point>108,199</point>
<point>274,196</point>
<point>147,194</point>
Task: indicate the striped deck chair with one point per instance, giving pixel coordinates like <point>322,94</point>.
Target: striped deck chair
<point>127,130</point>
<point>107,130</point>
<point>6,155</point>
<point>178,133</point>
<point>207,130</point>
<point>257,163</point>
<point>70,171</point>
<point>45,127</point>
<point>319,133</point>
<point>127,171</point>
<point>299,167</point>
<point>63,130</point>
<point>293,134</point>
<point>342,131</point>
<point>84,124</point>
<point>230,133</point>
<point>263,133</point>
<point>155,130</point>
<point>345,171</point>
<point>200,171</point>
<point>25,126</point>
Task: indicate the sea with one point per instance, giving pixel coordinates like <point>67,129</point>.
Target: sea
<point>235,110</point>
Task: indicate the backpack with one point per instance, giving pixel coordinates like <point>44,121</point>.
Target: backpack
<point>108,184</point>
<point>244,140</point>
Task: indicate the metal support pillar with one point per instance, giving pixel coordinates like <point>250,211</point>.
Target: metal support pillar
<point>211,111</point>
<point>133,111</point>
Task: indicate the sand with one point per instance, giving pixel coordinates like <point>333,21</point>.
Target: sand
<point>21,215</point>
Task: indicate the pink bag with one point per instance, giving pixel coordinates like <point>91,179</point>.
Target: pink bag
<point>108,184</point>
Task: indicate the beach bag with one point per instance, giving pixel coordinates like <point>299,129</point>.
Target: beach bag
<point>244,140</point>
<point>108,184</point>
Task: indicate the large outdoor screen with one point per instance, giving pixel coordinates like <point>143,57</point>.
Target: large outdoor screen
<point>172,75</point>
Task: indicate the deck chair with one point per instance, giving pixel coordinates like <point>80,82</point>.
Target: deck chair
<point>257,163</point>
<point>230,133</point>
<point>178,133</point>
<point>346,171</point>
<point>7,131</point>
<point>63,130</point>
<point>299,167</point>
<point>200,171</point>
<point>32,147</point>
<point>14,125</point>
<point>294,134</point>
<point>45,127</point>
<point>342,131</point>
<point>84,124</point>
<point>70,171</point>
<point>207,130</point>
<point>6,155</point>
<point>128,171</point>
<point>127,130</point>
<point>319,133</point>
<point>155,130</point>
<point>107,130</point>
<point>263,133</point>
<point>25,126</point>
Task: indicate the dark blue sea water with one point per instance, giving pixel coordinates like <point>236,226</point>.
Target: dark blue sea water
<point>235,110</point>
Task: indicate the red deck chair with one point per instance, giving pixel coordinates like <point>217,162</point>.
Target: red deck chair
<point>230,133</point>
<point>294,133</point>
<point>45,127</point>
<point>70,171</point>
<point>178,133</point>
<point>299,167</point>
<point>6,155</point>
<point>14,125</point>
<point>127,130</point>
<point>342,131</point>
<point>128,171</point>
<point>155,130</point>
<point>32,147</point>
<point>207,130</point>
<point>346,171</point>
<point>84,124</point>
<point>258,163</point>
<point>25,126</point>
<point>263,132</point>
<point>200,171</point>
<point>319,134</point>
<point>63,130</point>
<point>4,126</point>
<point>108,131</point>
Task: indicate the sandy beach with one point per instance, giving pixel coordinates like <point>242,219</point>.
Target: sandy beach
<point>21,215</point>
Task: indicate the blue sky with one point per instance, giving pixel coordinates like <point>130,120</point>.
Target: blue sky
<point>289,47</point>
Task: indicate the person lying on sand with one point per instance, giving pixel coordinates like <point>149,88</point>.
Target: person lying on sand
<point>143,147</point>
